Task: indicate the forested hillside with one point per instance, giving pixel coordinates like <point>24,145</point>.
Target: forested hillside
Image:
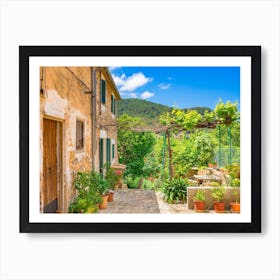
<point>148,111</point>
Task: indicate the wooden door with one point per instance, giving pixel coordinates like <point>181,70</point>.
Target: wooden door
<point>51,152</point>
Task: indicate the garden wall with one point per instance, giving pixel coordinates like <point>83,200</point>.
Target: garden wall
<point>229,196</point>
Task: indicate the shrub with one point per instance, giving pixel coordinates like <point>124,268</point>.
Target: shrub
<point>175,190</point>
<point>112,176</point>
<point>234,171</point>
<point>88,197</point>
<point>132,183</point>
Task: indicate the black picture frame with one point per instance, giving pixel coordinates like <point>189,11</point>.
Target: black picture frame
<point>254,52</point>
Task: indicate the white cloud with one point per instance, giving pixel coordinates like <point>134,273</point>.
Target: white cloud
<point>119,80</point>
<point>164,86</point>
<point>147,95</point>
<point>132,82</point>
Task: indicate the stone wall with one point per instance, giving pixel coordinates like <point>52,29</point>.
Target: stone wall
<point>106,121</point>
<point>229,196</point>
<point>64,100</point>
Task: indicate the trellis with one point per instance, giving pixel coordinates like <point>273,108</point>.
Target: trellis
<point>165,131</point>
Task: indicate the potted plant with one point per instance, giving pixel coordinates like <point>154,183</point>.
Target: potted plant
<point>103,188</point>
<point>235,206</point>
<point>199,200</point>
<point>113,178</point>
<point>218,194</point>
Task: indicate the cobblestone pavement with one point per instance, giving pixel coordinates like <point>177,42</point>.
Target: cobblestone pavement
<point>132,201</point>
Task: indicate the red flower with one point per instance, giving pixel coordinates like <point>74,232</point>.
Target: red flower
<point>118,172</point>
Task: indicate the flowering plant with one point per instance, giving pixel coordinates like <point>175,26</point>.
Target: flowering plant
<point>118,172</point>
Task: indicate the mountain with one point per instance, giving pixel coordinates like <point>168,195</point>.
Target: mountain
<point>147,110</point>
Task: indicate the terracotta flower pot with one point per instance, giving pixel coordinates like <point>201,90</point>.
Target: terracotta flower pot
<point>235,207</point>
<point>111,196</point>
<point>104,203</point>
<point>198,205</point>
<point>219,206</point>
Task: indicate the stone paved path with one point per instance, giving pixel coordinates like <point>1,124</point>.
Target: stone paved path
<point>139,201</point>
<point>133,201</point>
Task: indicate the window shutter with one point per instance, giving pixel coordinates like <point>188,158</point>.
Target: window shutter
<point>79,135</point>
<point>108,151</point>
<point>103,91</point>
<point>113,150</point>
<point>101,155</point>
<point>112,104</point>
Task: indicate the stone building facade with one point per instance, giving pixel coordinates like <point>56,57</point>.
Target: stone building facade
<point>78,129</point>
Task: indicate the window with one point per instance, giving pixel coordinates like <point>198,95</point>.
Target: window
<point>103,92</point>
<point>79,135</point>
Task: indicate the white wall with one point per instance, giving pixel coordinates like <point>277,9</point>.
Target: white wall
<point>139,256</point>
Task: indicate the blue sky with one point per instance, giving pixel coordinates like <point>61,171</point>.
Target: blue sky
<point>183,87</point>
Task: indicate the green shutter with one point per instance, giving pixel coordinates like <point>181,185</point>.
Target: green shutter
<point>101,155</point>
<point>103,91</point>
<point>113,150</point>
<point>108,151</point>
<point>112,104</point>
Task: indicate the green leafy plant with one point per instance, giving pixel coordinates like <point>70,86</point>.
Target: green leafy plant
<point>112,176</point>
<point>132,183</point>
<point>235,183</point>
<point>103,186</point>
<point>175,190</point>
<point>234,171</point>
<point>218,193</point>
<point>226,112</point>
<point>133,146</point>
<point>87,197</point>
<point>214,184</point>
<point>199,196</point>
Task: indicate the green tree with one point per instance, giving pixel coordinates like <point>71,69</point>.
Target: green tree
<point>133,146</point>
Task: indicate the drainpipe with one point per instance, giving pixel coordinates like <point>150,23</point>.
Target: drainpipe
<point>93,116</point>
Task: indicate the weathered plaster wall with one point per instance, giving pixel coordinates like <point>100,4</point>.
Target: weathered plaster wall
<point>64,99</point>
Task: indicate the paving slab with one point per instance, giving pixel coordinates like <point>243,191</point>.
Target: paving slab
<point>133,201</point>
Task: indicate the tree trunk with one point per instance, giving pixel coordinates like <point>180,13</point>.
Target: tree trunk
<point>140,184</point>
<point>170,155</point>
